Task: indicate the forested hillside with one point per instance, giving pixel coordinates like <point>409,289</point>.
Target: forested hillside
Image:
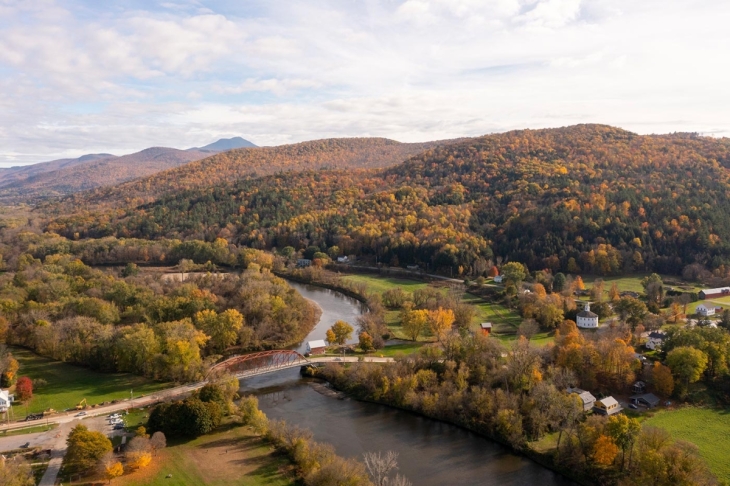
<point>227,167</point>
<point>51,179</point>
<point>586,198</point>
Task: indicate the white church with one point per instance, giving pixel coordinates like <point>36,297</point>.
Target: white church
<point>587,319</point>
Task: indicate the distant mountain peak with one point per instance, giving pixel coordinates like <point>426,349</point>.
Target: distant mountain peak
<point>226,144</point>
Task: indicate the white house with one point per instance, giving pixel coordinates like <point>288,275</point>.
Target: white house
<point>342,259</point>
<point>316,347</point>
<point>655,340</point>
<point>5,400</point>
<point>587,319</point>
<point>498,279</point>
<point>705,310</point>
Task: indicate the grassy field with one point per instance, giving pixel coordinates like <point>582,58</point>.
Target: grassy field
<point>67,384</point>
<point>398,349</point>
<point>232,456</point>
<point>630,283</point>
<point>381,284</point>
<point>707,428</point>
<point>28,430</point>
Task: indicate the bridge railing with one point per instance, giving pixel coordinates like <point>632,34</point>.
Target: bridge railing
<point>260,361</point>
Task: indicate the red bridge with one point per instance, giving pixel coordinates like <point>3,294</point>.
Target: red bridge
<point>261,362</point>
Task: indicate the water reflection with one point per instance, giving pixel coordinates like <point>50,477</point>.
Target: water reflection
<point>431,452</point>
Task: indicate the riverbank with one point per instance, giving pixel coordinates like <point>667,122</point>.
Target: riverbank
<point>544,459</point>
<point>431,452</point>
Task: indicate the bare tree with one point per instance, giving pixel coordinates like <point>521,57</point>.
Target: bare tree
<point>158,441</point>
<point>528,328</point>
<point>399,480</point>
<point>379,465</point>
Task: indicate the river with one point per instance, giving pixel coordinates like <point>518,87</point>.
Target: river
<point>335,306</point>
<point>430,452</point>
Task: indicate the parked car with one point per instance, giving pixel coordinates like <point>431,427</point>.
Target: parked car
<point>118,426</point>
<point>80,414</point>
<point>25,446</point>
<point>633,405</point>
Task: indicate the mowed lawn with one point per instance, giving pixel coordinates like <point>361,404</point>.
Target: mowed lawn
<point>708,429</point>
<point>67,384</point>
<point>233,456</point>
<point>379,285</point>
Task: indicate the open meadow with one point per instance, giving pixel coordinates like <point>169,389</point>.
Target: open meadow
<point>708,428</point>
<point>231,456</point>
<point>66,385</point>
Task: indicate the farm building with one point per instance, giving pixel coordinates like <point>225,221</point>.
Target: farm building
<point>586,397</point>
<point>607,406</point>
<point>647,399</point>
<point>705,310</point>
<point>587,319</point>
<point>316,347</point>
<point>304,262</point>
<point>486,328</point>
<point>713,293</point>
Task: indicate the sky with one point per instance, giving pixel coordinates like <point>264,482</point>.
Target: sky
<point>84,76</point>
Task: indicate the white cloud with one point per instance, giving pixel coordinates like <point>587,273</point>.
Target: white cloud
<point>77,79</point>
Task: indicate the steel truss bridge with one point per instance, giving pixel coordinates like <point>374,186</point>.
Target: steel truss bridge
<point>260,363</point>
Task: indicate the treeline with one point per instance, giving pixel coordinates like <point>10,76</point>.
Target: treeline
<point>588,198</point>
<point>146,324</point>
<point>518,396</point>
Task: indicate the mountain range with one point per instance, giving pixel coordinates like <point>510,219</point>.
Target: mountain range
<point>226,167</point>
<point>586,198</point>
<point>66,176</point>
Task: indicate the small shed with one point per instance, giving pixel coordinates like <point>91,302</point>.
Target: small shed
<point>638,387</point>
<point>647,399</point>
<point>486,328</point>
<point>586,397</point>
<point>607,406</point>
<point>316,347</point>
